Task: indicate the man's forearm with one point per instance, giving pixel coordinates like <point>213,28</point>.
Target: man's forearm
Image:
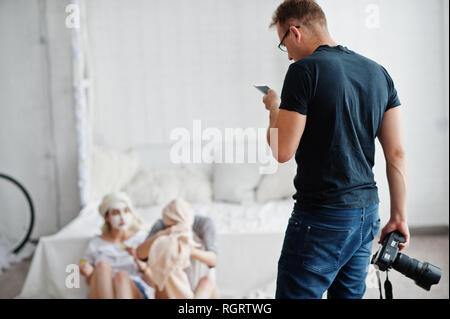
<point>272,122</point>
<point>396,175</point>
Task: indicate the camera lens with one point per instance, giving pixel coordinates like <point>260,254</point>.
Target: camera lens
<point>424,274</point>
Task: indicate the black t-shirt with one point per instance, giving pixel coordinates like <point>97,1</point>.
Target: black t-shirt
<point>344,96</point>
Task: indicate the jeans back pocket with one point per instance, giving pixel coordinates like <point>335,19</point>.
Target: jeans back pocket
<point>322,247</point>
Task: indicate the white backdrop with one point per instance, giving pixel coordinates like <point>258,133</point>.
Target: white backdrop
<point>38,143</point>
<point>161,64</point>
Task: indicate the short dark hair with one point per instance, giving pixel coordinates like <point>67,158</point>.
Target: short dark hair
<point>307,12</point>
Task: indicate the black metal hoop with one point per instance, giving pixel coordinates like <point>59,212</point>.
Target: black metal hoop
<point>30,204</point>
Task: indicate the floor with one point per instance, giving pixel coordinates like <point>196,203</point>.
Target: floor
<point>12,279</point>
<point>431,248</point>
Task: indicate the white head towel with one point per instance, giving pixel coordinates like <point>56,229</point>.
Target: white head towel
<point>119,197</point>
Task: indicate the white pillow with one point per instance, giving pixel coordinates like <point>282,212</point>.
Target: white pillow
<point>195,185</point>
<point>152,187</point>
<point>278,185</point>
<point>158,187</point>
<point>235,182</point>
<point>110,170</point>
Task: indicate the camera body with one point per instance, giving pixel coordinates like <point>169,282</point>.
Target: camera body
<point>424,274</point>
<point>387,253</point>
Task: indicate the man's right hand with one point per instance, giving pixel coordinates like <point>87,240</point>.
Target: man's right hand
<point>399,225</point>
<point>271,100</point>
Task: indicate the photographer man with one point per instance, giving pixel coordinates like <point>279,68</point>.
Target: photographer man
<point>334,103</point>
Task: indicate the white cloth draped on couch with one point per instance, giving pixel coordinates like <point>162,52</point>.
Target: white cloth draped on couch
<point>249,237</point>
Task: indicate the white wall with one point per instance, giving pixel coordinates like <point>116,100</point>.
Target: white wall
<point>37,125</point>
<point>160,65</point>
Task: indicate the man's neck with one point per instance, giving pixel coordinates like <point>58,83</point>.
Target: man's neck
<point>313,47</point>
<point>327,41</point>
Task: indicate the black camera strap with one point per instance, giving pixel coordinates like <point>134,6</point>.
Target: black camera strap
<point>387,286</point>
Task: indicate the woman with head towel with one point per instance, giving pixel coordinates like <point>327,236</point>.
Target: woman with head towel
<point>181,254</point>
<point>109,269</point>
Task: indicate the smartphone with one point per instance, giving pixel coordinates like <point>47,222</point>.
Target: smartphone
<point>262,88</point>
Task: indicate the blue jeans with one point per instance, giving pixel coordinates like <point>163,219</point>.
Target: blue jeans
<point>141,289</point>
<point>324,250</point>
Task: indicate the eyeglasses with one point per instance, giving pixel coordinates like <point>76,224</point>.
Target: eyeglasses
<point>281,45</point>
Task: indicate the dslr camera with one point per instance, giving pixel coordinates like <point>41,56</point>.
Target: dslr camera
<point>423,273</point>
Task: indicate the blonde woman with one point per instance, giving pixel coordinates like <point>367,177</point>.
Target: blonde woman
<point>109,269</point>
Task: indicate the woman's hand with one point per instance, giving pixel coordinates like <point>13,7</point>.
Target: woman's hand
<point>172,230</point>
<point>144,248</point>
<point>205,256</point>
<point>142,265</point>
<point>86,269</point>
<point>131,251</point>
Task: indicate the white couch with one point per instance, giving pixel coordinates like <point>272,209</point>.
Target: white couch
<point>249,242</point>
<point>250,233</point>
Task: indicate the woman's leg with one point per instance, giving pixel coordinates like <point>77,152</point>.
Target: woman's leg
<point>161,294</point>
<point>206,289</point>
<point>124,287</point>
<point>215,293</point>
<point>101,283</point>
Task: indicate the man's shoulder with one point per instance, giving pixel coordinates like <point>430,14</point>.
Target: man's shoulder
<point>311,63</point>
<point>303,64</point>
<point>349,62</point>
<point>327,55</point>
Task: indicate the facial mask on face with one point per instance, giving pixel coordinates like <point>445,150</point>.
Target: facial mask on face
<point>116,220</point>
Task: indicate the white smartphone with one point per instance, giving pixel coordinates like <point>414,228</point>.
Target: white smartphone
<point>263,88</point>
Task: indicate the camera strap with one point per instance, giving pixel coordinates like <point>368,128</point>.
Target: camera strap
<point>387,286</point>
<point>379,283</point>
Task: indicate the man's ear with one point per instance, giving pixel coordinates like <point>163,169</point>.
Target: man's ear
<point>296,32</point>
